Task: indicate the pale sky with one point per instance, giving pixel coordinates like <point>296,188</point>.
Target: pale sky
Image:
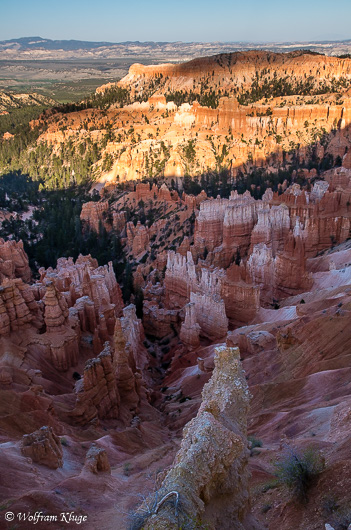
<point>181,20</point>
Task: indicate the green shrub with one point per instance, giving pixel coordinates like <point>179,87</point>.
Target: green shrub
<point>255,442</point>
<point>298,469</point>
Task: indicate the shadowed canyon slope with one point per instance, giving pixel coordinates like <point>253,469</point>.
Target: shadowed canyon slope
<point>77,368</point>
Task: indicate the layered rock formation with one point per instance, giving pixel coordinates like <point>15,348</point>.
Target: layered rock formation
<point>241,296</point>
<point>322,217</point>
<point>316,217</point>
<point>180,275</point>
<point>43,447</point>
<point>208,479</point>
<point>94,215</point>
<point>63,341</point>
<point>96,460</point>
<point>224,68</point>
<point>159,321</point>
<point>183,285</point>
<point>53,313</point>
<point>217,294</point>
<point>22,316</point>
<point>110,387</point>
<point>202,265</point>
<point>190,330</point>
<point>210,315</point>
<point>56,310</point>
<point>18,308</point>
<point>138,238</point>
<point>254,252</point>
<point>282,275</point>
<point>97,392</point>
<point>13,261</point>
<point>86,278</point>
<point>151,137</point>
<point>91,292</point>
<point>272,227</point>
<point>125,378</point>
<point>111,383</point>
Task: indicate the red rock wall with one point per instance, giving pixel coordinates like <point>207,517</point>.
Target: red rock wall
<point>14,261</point>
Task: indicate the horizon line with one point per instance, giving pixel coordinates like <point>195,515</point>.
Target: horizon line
<point>242,42</point>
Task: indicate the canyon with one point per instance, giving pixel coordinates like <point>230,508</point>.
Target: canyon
<point>159,389</point>
<point>90,389</point>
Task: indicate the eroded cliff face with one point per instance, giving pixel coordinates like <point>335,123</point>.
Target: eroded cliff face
<point>112,382</point>
<point>93,215</point>
<point>91,290</point>
<point>50,320</point>
<point>240,67</point>
<point>182,285</point>
<point>13,261</point>
<point>56,379</point>
<point>232,136</point>
<point>244,254</point>
<point>295,358</point>
<point>233,227</point>
<point>97,391</point>
<point>240,254</point>
<point>166,132</point>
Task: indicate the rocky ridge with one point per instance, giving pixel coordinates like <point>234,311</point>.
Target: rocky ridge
<point>13,100</point>
<point>209,474</point>
<point>235,111</point>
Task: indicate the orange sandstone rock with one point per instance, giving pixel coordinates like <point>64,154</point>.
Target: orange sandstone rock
<point>43,447</point>
<point>13,261</point>
<point>96,460</point>
<point>94,215</point>
<point>97,392</point>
